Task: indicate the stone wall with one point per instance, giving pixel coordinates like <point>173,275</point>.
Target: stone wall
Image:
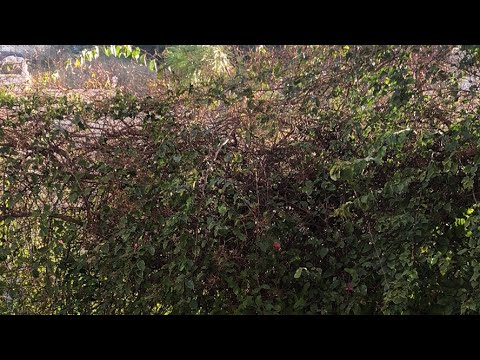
<point>23,50</point>
<point>14,71</point>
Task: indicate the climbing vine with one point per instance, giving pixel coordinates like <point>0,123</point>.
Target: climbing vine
<point>310,180</point>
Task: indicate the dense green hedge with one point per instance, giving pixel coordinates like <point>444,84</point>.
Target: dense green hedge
<point>311,180</point>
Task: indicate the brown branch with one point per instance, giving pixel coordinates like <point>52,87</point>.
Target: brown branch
<point>56,216</point>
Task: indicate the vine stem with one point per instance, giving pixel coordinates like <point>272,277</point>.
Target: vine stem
<point>378,256</point>
<point>387,287</point>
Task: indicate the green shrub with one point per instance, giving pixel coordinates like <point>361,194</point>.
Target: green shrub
<point>312,180</point>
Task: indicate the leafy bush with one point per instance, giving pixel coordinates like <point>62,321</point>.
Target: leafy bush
<point>188,65</point>
<point>312,180</point>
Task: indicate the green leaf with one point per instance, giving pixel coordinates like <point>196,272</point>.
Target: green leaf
<point>141,265</point>
<point>353,273</point>
<point>78,122</point>
<point>239,234</point>
<point>222,209</point>
<point>136,53</point>
<point>152,65</point>
<point>467,183</point>
<point>194,304</point>
<point>347,173</point>
<point>298,273</point>
<point>72,197</point>
<point>128,50</point>
<point>308,187</point>
<point>118,247</point>
<point>151,250</point>
<point>334,173</point>
<point>299,303</point>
